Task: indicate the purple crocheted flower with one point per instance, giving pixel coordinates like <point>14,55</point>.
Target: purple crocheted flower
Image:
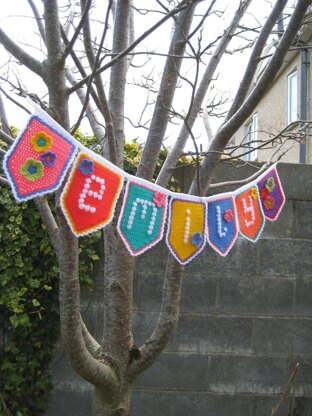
<point>48,159</point>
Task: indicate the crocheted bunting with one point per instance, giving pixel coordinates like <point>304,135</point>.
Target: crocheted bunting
<point>142,219</point>
<point>38,160</point>
<point>186,229</point>
<point>222,223</point>
<point>90,195</point>
<point>249,212</point>
<point>271,194</point>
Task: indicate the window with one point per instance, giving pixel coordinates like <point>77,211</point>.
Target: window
<point>292,100</point>
<point>251,138</point>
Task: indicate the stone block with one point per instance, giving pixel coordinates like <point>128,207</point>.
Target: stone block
<point>150,291</point>
<point>195,404</point>
<point>262,406</point>
<point>152,403</point>
<point>303,303</point>
<point>202,334</point>
<point>273,252</point>
<point>176,371</point>
<point>296,180</point>
<point>240,261</point>
<point>77,402</point>
<point>283,336</point>
<point>246,374</point>
<point>303,220</point>
<point>264,296</point>
<point>284,226</point>
<point>198,293</point>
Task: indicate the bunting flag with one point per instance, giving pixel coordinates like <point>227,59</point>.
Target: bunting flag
<point>222,227</point>
<point>186,228</point>
<point>90,195</point>
<point>38,160</point>
<point>271,194</point>
<point>249,212</point>
<point>142,219</point>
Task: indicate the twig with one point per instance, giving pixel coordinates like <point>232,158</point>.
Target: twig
<point>289,385</point>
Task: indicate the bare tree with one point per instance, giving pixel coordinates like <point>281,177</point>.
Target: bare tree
<point>96,66</point>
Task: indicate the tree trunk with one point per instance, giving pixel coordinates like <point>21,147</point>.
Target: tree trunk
<point>120,406</point>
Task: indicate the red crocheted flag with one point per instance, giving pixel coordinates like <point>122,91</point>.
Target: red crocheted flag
<point>249,211</point>
<point>90,195</point>
<point>38,160</point>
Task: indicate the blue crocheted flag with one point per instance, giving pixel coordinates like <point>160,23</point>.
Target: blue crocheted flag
<point>222,224</point>
<point>142,219</point>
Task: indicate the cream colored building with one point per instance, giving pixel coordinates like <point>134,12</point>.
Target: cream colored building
<point>281,112</point>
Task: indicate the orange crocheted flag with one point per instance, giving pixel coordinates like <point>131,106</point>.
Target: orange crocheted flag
<point>38,160</point>
<point>249,211</point>
<point>90,195</point>
<point>186,229</point>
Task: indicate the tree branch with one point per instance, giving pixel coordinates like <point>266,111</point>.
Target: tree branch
<point>125,52</point>
<point>167,320</point>
<point>177,150</point>
<point>49,221</point>
<point>223,136</point>
<point>38,20</point>
<point>165,95</point>
<point>21,55</point>
<point>71,43</point>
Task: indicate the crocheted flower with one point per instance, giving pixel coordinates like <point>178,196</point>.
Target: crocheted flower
<point>269,203</point>
<point>41,142</point>
<point>86,167</point>
<point>264,193</point>
<point>228,215</point>
<point>270,184</point>
<point>32,169</point>
<point>159,199</point>
<point>197,239</point>
<point>254,193</point>
<point>48,158</point>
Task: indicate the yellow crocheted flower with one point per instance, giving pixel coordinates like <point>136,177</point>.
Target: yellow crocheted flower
<point>41,142</point>
<point>255,193</point>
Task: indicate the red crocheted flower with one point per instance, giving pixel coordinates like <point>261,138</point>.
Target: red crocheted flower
<point>228,215</point>
<point>269,203</point>
<point>159,199</point>
<point>264,193</point>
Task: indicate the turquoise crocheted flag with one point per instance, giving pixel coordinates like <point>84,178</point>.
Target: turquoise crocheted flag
<point>222,223</point>
<point>142,219</point>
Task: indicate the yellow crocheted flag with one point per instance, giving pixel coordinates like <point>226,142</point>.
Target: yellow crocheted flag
<point>186,229</point>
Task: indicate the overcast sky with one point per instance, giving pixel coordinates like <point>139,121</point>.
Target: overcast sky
<point>13,15</point>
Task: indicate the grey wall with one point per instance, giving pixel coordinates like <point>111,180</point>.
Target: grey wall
<point>245,321</point>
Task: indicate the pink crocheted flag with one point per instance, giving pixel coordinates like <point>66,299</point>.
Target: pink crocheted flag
<point>271,194</point>
<point>249,211</point>
<point>186,228</point>
<point>91,193</point>
<point>142,219</point>
<point>222,223</point>
<point>38,160</point>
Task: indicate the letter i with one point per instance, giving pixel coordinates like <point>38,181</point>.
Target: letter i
<point>187,226</point>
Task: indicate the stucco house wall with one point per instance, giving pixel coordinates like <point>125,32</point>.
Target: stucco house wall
<point>272,113</point>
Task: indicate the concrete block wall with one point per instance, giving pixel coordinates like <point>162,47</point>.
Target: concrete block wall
<point>245,321</point>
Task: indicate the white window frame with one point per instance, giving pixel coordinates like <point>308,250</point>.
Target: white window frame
<point>292,97</point>
<point>251,138</point>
